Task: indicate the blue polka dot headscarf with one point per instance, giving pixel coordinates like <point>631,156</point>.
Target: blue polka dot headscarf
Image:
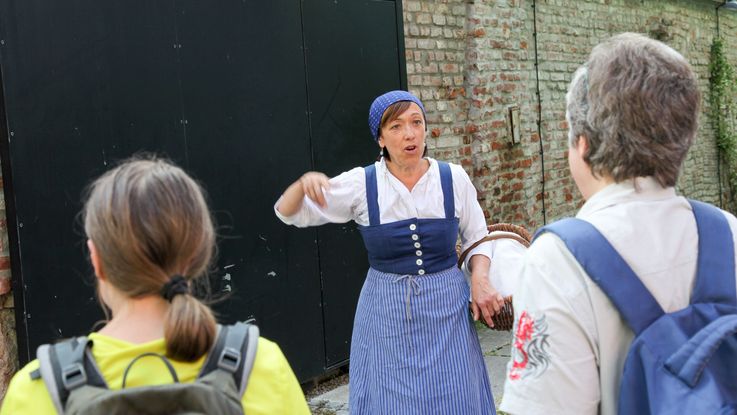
<point>380,104</point>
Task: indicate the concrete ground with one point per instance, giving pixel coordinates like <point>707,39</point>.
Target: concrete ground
<point>495,345</point>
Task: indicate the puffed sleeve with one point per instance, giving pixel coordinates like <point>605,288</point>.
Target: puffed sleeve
<point>472,223</point>
<point>343,202</point>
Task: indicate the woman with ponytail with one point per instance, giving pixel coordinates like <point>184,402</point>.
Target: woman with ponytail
<point>150,238</point>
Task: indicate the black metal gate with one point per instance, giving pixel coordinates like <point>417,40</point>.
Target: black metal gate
<point>246,95</point>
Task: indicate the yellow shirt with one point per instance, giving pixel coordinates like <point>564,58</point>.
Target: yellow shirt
<point>272,387</point>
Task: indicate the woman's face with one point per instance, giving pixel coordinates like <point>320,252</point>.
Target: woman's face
<point>404,137</point>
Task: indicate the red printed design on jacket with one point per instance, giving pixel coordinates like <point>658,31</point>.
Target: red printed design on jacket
<point>529,353</point>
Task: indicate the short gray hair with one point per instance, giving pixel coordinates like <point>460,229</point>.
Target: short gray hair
<point>637,101</point>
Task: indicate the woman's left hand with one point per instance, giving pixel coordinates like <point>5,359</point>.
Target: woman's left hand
<point>485,300</point>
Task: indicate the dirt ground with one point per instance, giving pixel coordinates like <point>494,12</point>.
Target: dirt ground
<point>330,382</point>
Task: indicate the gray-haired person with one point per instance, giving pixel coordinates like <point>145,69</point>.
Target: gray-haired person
<point>632,114</point>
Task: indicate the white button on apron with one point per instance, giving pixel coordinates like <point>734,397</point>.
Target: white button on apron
<point>421,272</point>
<point>415,237</point>
<point>412,227</point>
<point>418,262</point>
<point>419,253</point>
<point>417,245</point>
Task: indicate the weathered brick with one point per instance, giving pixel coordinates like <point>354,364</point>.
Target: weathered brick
<point>423,18</point>
<point>495,56</point>
<point>5,284</point>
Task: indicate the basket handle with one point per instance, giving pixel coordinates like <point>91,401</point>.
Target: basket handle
<point>487,238</point>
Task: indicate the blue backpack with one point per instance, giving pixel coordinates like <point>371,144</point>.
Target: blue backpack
<point>683,362</point>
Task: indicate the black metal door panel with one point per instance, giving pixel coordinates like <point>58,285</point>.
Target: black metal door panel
<point>230,92</point>
<point>244,99</point>
<point>85,83</point>
<point>353,55</point>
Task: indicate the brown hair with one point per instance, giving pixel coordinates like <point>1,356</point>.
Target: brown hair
<point>149,221</point>
<point>393,112</point>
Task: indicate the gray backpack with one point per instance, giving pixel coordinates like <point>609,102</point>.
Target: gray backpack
<point>76,385</point>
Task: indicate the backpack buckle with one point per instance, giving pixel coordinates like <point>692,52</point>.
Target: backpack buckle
<point>73,376</point>
<point>229,360</point>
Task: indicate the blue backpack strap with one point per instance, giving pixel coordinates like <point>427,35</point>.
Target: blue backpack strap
<point>446,182</point>
<point>715,278</point>
<point>690,360</point>
<point>372,195</point>
<point>609,271</point>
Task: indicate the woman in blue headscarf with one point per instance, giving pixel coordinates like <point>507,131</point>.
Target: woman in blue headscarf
<point>414,349</point>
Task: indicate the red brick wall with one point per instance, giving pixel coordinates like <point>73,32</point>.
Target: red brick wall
<point>470,60</point>
<point>8,347</point>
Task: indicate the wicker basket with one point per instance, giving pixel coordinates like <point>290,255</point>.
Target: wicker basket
<point>504,320</point>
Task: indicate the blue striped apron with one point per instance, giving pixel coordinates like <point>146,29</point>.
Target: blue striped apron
<point>414,349</point>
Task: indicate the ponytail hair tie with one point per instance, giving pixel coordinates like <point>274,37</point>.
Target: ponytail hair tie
<point>175,286</point>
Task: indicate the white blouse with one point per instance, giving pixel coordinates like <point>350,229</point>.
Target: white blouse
<point>346,201</point>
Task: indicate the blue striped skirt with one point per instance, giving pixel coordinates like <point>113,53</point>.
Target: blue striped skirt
<point>414,349</point>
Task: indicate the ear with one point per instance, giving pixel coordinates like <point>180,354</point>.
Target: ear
<point>95,260</point>
<point>380,141</point>
<point>582,145</point>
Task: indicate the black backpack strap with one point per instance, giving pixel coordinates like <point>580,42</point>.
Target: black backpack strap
<point>234,352</point>
<point>66,366</point>
<point>161,357</point>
